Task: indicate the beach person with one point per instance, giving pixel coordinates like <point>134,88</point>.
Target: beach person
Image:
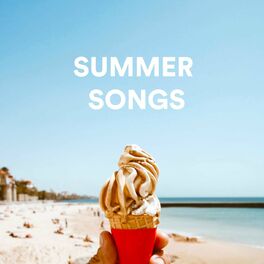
<point>107,253</point>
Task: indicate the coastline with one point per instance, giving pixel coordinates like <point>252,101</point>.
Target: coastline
<point>68,233</point>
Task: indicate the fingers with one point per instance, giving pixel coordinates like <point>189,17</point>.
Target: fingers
<point>156,259</point>
<point>108,248</point>
<point>162,240</point>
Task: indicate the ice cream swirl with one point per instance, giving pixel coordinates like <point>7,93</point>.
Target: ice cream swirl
<point>130,190</point>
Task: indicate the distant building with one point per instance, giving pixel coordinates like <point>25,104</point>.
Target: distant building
<point>8,189</point>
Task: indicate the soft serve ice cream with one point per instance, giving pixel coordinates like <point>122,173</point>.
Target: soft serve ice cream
<point>131,189</point>
<point>131,205</point>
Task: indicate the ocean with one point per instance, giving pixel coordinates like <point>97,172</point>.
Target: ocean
<point>239,225</point>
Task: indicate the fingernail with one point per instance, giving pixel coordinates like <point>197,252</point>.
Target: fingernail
<point>101,240</point>
<point>158,260</point>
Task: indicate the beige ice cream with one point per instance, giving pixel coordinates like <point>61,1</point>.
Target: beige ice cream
<point>131,189</point>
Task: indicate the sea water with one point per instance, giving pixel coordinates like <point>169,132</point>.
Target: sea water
<point>240,225</point>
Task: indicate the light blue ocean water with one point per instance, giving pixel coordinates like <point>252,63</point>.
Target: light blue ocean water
<point>240,225</point>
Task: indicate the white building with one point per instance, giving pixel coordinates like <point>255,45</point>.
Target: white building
<point>8,190</point>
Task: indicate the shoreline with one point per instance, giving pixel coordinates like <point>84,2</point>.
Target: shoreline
<point>182,232</point>
<point>51,232</point>
<point>168,230</point>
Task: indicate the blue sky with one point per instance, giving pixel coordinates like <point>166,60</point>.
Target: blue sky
<point>213,147</point>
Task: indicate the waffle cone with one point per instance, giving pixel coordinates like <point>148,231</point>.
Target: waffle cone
<point>133,221</point>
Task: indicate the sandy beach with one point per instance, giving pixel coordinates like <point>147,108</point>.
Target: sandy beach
<point>68,233</point>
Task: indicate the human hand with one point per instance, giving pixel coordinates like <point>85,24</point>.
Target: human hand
<point>107,253</point>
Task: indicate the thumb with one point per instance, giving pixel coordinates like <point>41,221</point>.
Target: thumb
<point>108,248</point>
<point>157,259</point>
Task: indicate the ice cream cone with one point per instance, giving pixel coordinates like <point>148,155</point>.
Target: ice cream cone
<point>129,201</point>
<point>134,237</point>
<point>133,221</point>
